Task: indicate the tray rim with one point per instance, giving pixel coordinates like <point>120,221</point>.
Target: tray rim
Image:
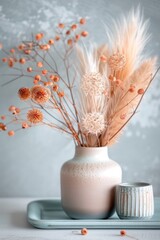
<point>89,223</point>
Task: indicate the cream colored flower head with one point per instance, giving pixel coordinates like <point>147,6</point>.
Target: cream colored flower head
<point>93,84</point>
<point>93,123</point>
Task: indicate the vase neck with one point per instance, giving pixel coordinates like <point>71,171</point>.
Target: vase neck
<point>92,153</point>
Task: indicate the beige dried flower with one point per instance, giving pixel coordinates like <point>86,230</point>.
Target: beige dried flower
<point>93,84</point>
<point>117,61</point>
<point>93,123</point>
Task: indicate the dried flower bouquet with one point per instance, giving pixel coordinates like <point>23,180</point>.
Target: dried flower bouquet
<point>97,92</point>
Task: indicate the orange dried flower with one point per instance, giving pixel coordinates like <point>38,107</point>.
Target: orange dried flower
<point>84,231</point>
<point>57,38</point>
<point>37,77</point>
<point>24,93</point>
<point>40,94</point>
<point>44,72</point>
<point>3,127</point>
<point>39,64</point>
<point>61,94</point>
<point>140,91</point>
<point>123,232</point>
<point>11,133</point>
<point>29,69</point>
<point>35,116</point>
<point>84,34</point>
<point>82,21</point>
<point>48,84</point>
<point>74,26</point>
<point>55,88</point>
<point>51,42</point>
<point>24,125</point>
<point>61,25</point>
<point>22,60</point>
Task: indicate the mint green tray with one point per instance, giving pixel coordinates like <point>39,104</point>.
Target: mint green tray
<point>48,214</point>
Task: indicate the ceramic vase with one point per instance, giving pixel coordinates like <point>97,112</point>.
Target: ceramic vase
<point>88,184</point>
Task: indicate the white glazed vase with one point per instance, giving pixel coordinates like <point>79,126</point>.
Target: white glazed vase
<point>88,184</point>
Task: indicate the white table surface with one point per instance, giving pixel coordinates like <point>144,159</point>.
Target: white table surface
<point>14,225</point>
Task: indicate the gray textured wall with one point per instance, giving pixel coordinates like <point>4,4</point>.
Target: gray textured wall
<point>30,162</point>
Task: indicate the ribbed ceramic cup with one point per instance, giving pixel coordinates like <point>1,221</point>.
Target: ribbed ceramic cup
<point>134,200</point>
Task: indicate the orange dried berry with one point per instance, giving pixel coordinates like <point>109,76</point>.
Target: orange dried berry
<point>21,46</point>
<point>55,88</point>
<point>29,69</point>
<point>122,116</point>
<point>56,78</point>
<point>10,63</point>
<point>22,60</point>
<point>140,91</point>
<point>84,231</point>
<point>132,88</point>
<point>51,77</point>
<point>61,94</point>
<point>82,21</point>
<point>25,125</point>
<point>35,82</point>
<point>39,64</point>
<point>3,117</point>
<point>3,127</point>
<point>123,232</point>
<point>27,51</point>
<point>11,133</point>
<point>103,58</point>
<point>39,36</point>
<point>84,34</point>
<point>17,110</point>
<point>12,50</point>
<point>37,77</point>
<point>69,42</point>
<point>110,77</point>
<point>74,26</point>
<point>78,37</point>
<point>47,84</point>
<point>68,32</point>
<point>44,71</point>
<point>51,42</point>
<point>118,82</point>
<point>11,108</point>
<point>4,60</point>
<point>61,25</point>
<point>57,38</point>
<point>46,47</point>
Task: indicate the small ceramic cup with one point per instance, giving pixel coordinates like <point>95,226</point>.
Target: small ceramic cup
<point>134,200</point>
